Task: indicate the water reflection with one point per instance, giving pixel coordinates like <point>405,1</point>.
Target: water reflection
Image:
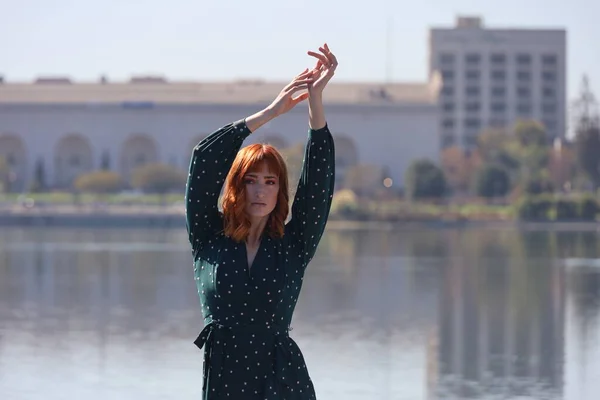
<point>406,314</point>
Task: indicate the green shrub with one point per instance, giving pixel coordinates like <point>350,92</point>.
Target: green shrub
<point>492,181</point>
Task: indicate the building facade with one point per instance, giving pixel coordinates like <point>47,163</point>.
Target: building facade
<point>68,129</point>
<point>493,77</point>
<point>478,78</point>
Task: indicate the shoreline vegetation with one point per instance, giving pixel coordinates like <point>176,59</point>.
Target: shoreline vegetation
<point>348,211</point>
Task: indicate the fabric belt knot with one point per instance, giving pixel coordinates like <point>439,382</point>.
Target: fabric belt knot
<point>289,371</point>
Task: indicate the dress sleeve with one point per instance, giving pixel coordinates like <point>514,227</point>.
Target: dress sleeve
<point>210,163</point>
<point>314,193</point>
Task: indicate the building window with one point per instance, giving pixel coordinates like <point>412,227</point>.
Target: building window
<point>497,122</point>
<point>472,74</point>
<point>498,59</point>
<point>548,76</point>
<point>473,123</point>
<point>498,107</point>
<point>523,76</point>
<point>472,106</point>
<point>548,92</point>
<point>448,106</point>
<point>549,60</point>
<point>472,58</point>
<point>523,92</point>
<point>523,59</point>
<point>472,91</point>
<point>498,75</point>
<point>448,123</point>
<point>447,91</point>
<point>524,109</point>
<point>549,108</point>
<point>447,75</point>
<point>446,59</point>
<point>498,91</point>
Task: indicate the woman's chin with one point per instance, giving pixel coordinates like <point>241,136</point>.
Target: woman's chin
<point>261,212</point>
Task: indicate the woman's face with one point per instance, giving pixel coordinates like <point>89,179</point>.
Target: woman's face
<point>262,188</point>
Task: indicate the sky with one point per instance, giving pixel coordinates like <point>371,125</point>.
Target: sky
<point>264,39</point>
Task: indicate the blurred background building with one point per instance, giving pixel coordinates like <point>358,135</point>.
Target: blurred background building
<point>491,77</point>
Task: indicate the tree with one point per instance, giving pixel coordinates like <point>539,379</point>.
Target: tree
<point>158,178</point>
<point>39,177</point>
<point>105,161</point>
<point>492,181</point>
<point>424,180</point>
<point>4,176</point>
<point>494,147</point>
<point>587,136</point>
<point>99,182</point>
<point>459,167</point>
<point>562,166</point>
<point>530,133</point>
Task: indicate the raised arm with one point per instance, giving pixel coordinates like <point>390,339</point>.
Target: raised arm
<point>212,159</point>
<point>312,201</point>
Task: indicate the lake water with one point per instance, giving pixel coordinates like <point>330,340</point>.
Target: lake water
<point>412,314</point>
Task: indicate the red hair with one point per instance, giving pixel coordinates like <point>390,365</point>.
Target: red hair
<point>236,222</point>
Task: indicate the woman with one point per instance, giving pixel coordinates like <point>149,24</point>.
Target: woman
<point>249,264</point>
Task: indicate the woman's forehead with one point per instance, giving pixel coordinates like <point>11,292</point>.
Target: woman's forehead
<point>261,168</point>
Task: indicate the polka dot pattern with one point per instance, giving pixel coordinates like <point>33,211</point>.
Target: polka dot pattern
<point>248,352</point>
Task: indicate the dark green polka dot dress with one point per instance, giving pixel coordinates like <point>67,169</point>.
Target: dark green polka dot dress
<point>248,353</point>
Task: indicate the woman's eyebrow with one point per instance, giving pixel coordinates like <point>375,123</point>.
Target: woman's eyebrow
<point>266,176</point>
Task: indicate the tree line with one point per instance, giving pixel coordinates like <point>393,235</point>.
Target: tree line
<point>515,161</point>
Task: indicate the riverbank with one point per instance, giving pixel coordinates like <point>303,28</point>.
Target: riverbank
<point>145,217</point>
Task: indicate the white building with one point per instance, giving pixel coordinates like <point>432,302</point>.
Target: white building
<point>492,77</point>
<point>72,128</point>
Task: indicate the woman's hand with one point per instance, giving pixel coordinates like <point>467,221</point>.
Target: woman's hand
<point>286,100</point>
<point>323,71</point>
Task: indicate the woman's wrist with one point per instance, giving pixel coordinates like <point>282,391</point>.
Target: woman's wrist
<point>255,121</point>
<point>316,113</point>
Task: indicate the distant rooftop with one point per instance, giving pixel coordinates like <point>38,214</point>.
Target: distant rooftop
<point>158,90</point>
<point>474,22</point>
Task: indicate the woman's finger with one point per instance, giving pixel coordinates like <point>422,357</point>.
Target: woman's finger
<point>298,84</point>
<point>304,78</point>
<point>328,54</point>
<point>302,73</point>
<point>300,98</point>
<point>297,88</point>
<point>320,57</point>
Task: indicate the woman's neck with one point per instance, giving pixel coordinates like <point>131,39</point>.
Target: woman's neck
<point>257,228</point>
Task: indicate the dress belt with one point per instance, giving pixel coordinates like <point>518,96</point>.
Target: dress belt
<point>289,370</point>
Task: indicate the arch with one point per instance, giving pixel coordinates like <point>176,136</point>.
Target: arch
<point>275,140</point>
<point>73,157</point>
<point>12,151</point>
<point>346,156</point>
<point>138,150</point>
